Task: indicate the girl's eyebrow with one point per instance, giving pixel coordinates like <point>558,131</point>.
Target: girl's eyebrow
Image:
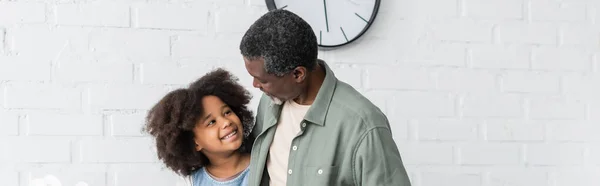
<point>208,115</point>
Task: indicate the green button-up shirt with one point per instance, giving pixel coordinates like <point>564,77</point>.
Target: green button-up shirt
<point>344,140</point>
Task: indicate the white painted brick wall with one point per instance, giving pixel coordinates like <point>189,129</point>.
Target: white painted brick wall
<point>170,16</point>
<point>93,14</point>
<point>482,92</point>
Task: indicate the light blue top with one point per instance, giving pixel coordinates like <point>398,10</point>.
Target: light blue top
<point>201,177</point>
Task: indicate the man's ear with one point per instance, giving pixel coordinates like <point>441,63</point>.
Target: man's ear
<point>299,74</point>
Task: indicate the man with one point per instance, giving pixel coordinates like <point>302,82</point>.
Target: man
<point>311,128</point>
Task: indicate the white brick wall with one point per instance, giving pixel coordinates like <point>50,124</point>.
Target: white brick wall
<point>482,92</point>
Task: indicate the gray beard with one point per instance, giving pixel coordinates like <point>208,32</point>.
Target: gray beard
<point>276,101</point>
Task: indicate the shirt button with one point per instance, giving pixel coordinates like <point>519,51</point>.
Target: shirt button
<point>290,171</point>
<point>320,171</point>
<point>303,124</point>
<point>294,147</point>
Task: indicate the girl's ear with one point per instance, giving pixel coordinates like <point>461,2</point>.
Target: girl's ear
<point>198,147</point>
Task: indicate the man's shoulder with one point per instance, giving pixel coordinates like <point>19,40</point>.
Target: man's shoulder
<point>263,104</point>
<point>350,102</point>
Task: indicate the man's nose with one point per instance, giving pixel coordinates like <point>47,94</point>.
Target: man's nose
<point>255,84</point>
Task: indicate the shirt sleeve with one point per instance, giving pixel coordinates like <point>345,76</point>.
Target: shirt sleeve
<point>377,160</point>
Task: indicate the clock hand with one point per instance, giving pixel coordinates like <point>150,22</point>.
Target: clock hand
<point>326,21</point>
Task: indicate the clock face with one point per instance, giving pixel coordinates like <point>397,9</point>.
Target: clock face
<point>335,22</point>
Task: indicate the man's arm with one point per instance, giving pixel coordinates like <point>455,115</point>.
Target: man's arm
<point>377,160</point>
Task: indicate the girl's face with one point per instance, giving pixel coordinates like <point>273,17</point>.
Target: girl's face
<point>219,130</point>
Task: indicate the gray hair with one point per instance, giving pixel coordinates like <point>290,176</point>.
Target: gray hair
<point>283,39</point>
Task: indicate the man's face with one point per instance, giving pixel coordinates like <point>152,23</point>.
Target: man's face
<point>280,89</point>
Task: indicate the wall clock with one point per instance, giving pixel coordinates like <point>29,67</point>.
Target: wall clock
<point>335,22</point>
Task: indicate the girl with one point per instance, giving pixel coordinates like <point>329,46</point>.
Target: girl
<point>202,132</point>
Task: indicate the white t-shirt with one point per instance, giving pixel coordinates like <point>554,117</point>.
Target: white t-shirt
<point>287,129</point>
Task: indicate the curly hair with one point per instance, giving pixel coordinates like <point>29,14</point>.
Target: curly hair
<point>172,120</point>
<point>283,39</point>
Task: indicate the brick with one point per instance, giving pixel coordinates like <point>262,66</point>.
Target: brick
<point>207,48</point>
<point>554,154</point>
<point>19,69</point>
<point>46,43</point>
<point>421,9</point>
<point>596,61</point>
<point>593,8</point>
<point>439,54</point>
<point>495,9</point>
<point>29,150</point>
<point>235,19</point>
<point>8,176</point>
<point>9,124</point>
<point>517,176</point>
<point>462,30</point>
<point>527,33</point>
<point>136,174</point>
<point>530,82</point>
<point>93,14</point>
<point>125,97</point>
<point>399,128</point>
<point>67,174</point>
<point>21,12</point>
<point>543,10</point>
<point>594,108</point>
<point>95,72</point>
<point>399,78</point>
<point>580,176</point>
<point>450,178</point>
<point>505,105</point>
<point>552,58</point>
<point>2,41</point>
<point>555,108</point>
<point>426,153</point>
<point>381,99</point>
<point>447,130</point>
<point>490,154</point>
<point>466,80</point>
<point>584,87</point>
<point>42,96</point>
<point>351,75</point>
<point>513,130</point>
<point>561,59</point>
<point>384,49</point>
<point>388,25</point>
<point>423,104</point>
<point>153,73</point>
<point>122,150</point>
<point>127,125</point>
<point>500,57</point>
<point>2,95</point>
<point>572,131</point>
<point>592,158</point>
<point>236,3</point>
<point>171,16</point>
<point>64,125</point>
<point>256,3</point>
<point>583,35</point>
<point>130,44</point>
